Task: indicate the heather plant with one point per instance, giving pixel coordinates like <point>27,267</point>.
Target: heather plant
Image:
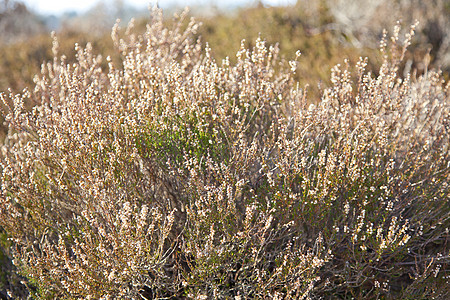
<point>293,28</point>
<point>168,174</point>
<point>363,22</point>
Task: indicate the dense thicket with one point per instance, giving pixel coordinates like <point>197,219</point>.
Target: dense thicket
<point>169,174</point>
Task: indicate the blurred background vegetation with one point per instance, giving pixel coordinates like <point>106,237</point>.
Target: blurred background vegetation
<point>325,31</point>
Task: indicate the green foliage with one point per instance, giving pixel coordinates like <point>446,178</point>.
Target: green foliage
<point>180,139</point>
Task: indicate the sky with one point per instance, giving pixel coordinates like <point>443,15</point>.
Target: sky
<point>60,6</point>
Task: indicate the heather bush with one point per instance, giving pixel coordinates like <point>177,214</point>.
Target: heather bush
<point>363,21</point>
<point>293,28</point>
<point>172,175</point>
